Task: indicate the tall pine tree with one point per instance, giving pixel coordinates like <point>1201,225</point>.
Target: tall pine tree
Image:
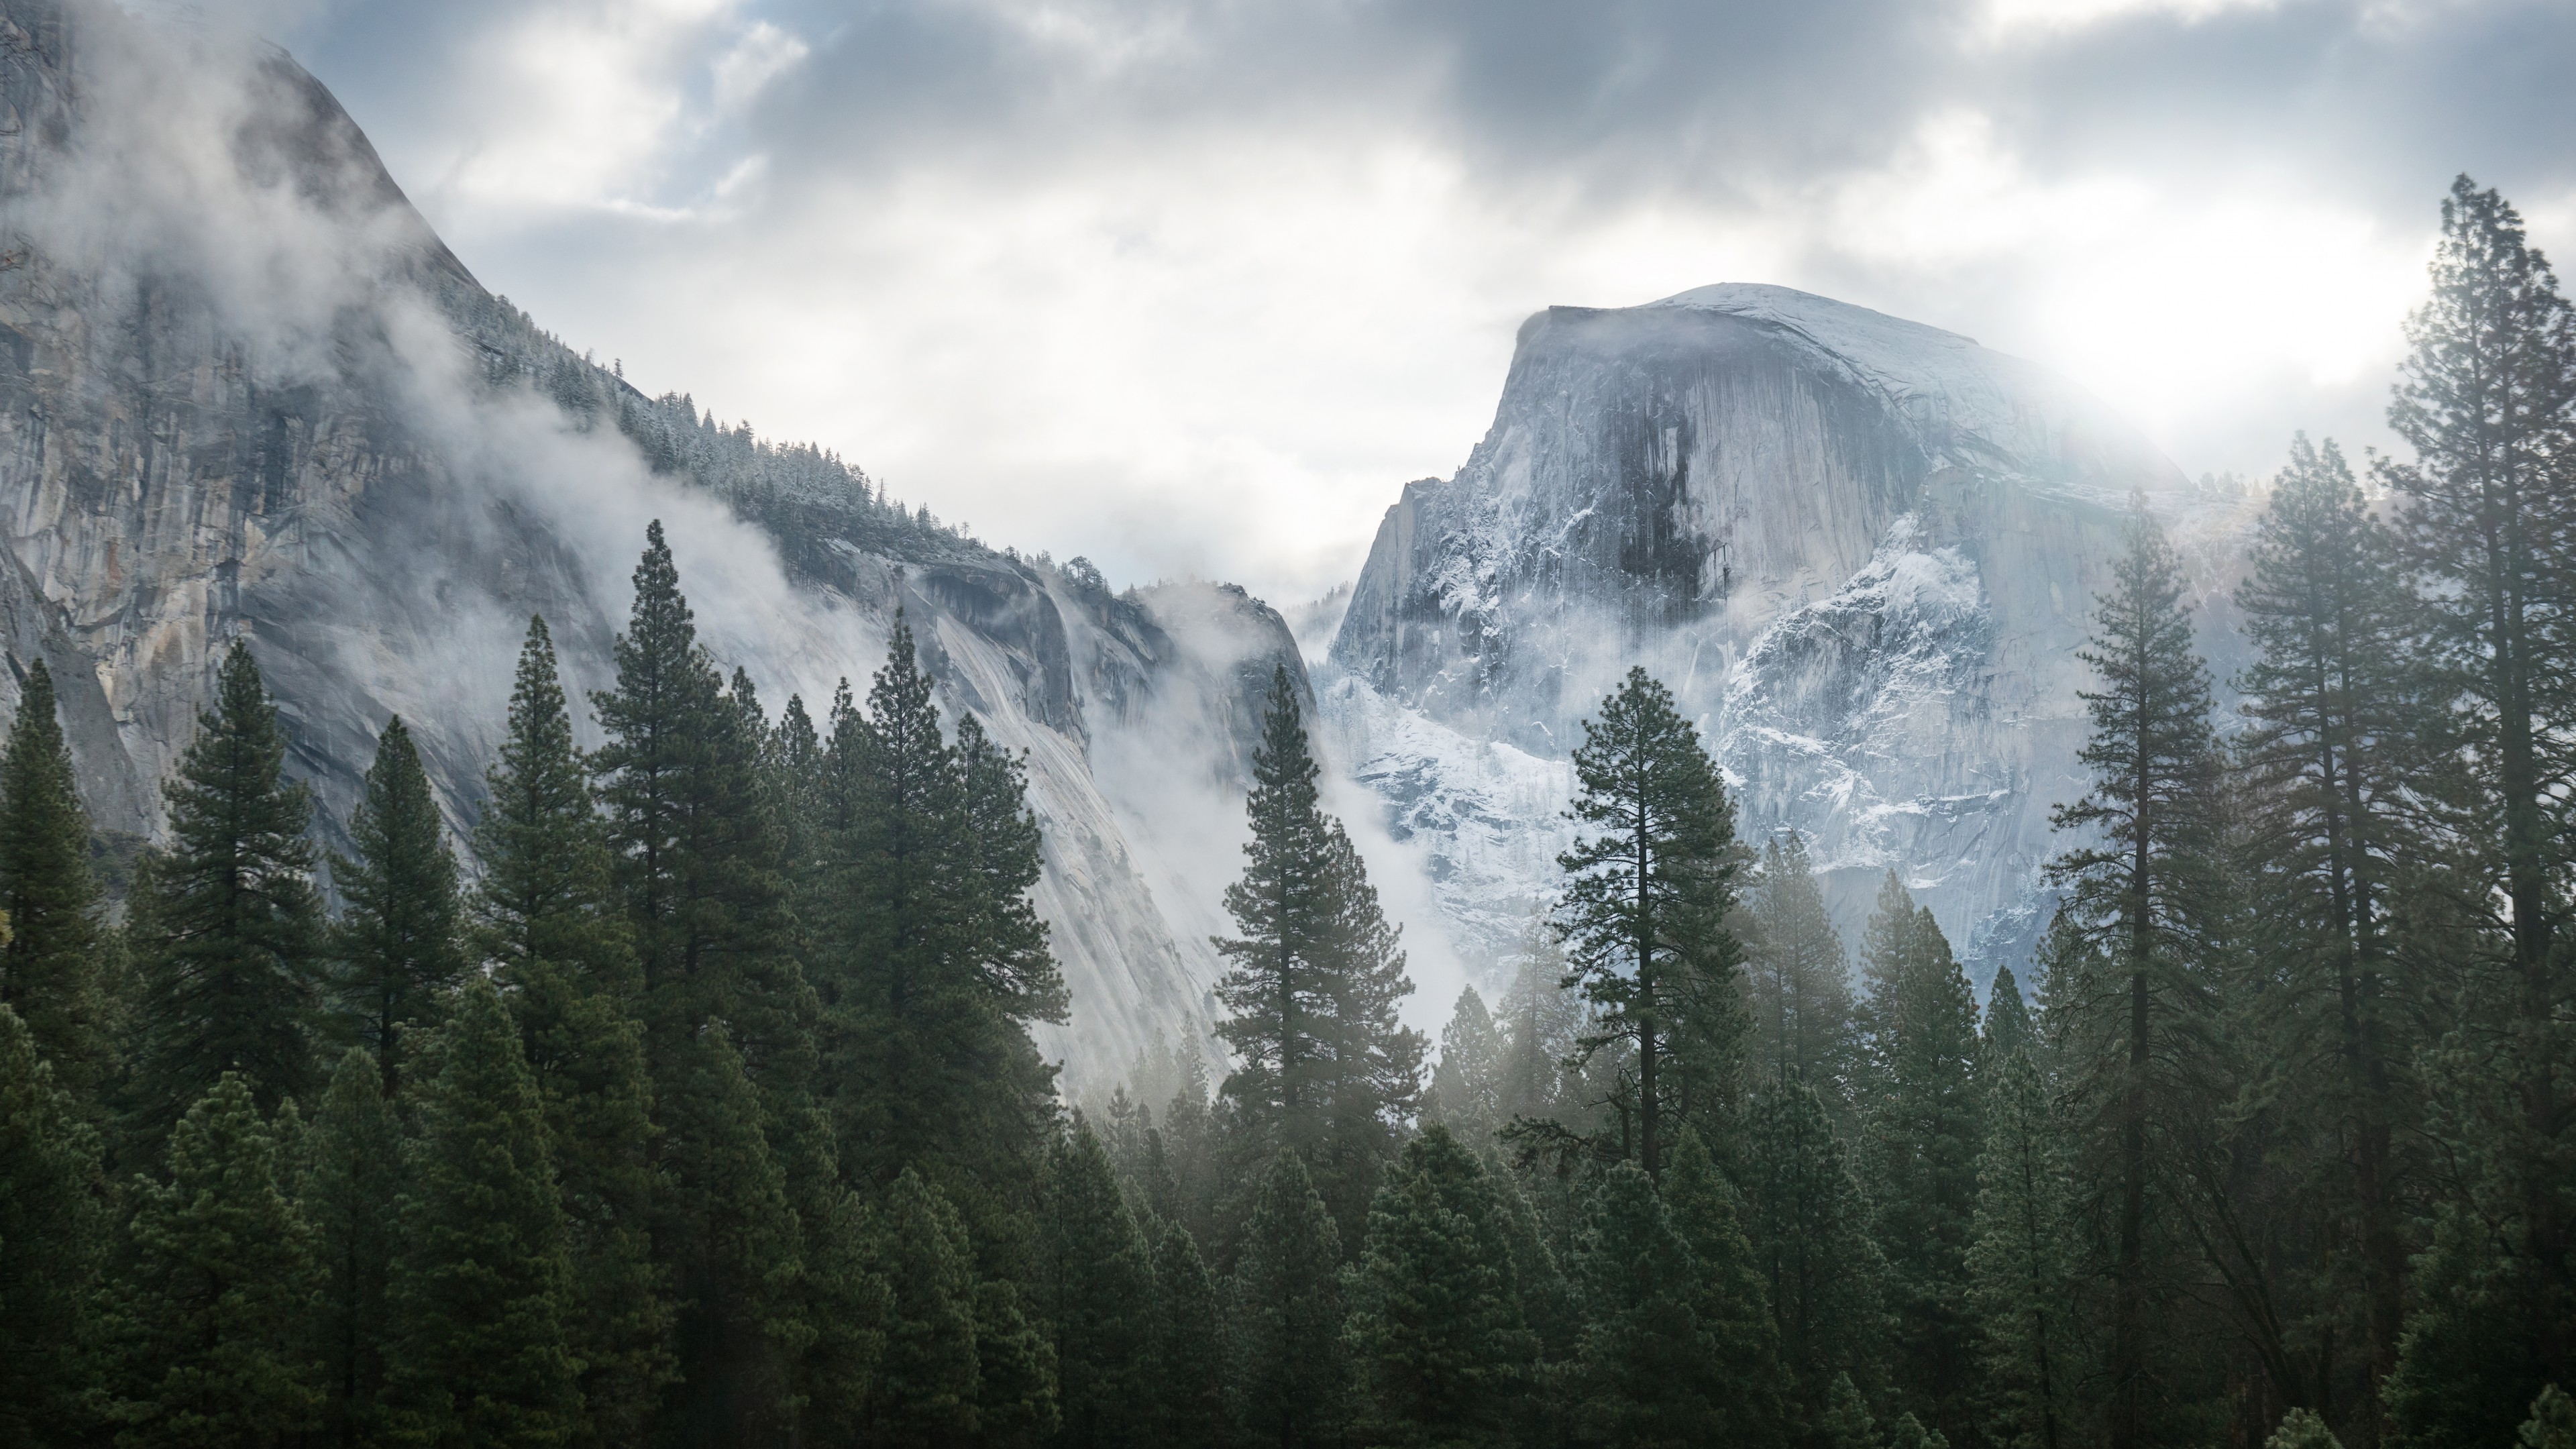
<point>352,1183</point>
<point>1800,979</point>
<point>2140,896</point>
<point>2487,402</point>
<point>544,919</point>
<point>2333,759</point>
<point>226,923</point>
<point>1101,1298</point>
<point>1645,905</point>
<point>482,1282</point>
<point>1924,1123</point>
<point>1188,1357</point>
<point>50,964</point>
<point>53,1241</point>
<point>1288,1377</point>
<point>2017,1261</point>
<point>397,944</point>
<point>216,1304</point>
<point>1646,1368</point>
<point>1324,1068</point>
<point>1809,1223</point>
<point>1438,1345</point>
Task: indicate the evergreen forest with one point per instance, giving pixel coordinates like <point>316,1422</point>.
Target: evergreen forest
<point>703,1108</point>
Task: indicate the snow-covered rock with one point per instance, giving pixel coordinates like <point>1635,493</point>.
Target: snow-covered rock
<point>1863,553</point>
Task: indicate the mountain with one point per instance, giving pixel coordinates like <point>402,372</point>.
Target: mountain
<point>246,392</point>
<point>1862,551</point>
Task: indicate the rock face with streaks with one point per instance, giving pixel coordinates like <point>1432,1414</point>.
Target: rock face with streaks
<point>246,393</point>
<point>1863,553</point>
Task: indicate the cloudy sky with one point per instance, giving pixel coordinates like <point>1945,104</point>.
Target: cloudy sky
<point>1191,286</point>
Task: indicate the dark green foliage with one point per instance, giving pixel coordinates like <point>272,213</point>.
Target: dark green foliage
<point>482,1281</point>
<point>1439,1349</point>
<point>729,1239</point>
<point>1466,1087</point>
<point>1809,1224</point>
<point>216,1305</point>
<point>396,945</point>
<point>2143,901</point>
<point>1800,980</point>
<point>926,1389</point>
<point>1287,1377</point>
<point>50,965</point>
<point>1846,1423</point>
<point>1646,1367</point>
<point>2486,400</point>
<point>226,924</point>
<point>1188,1356</point>
<point>930,964</point>
<point>847,1307</point>
<point>2017,1261</point>
<point>1324,1068</point>
<point>544,920</point>
<point>2300,1429</point>
<point>352,1183</point>
<point>1923,1122</point>
<point>1015,1382</point>
<point>2552,1424</point>
<point>1645,907</point>
<point>53,1237</point>
<point>2329,1025</point>
<point>1733,1308</point>
<point>1100,1297</point>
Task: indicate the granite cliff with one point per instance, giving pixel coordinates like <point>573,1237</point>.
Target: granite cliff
<point>1862,551</point>
<point>245,392</point>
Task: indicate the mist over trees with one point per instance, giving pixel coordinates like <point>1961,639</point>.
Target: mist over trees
<point>708,1112</point>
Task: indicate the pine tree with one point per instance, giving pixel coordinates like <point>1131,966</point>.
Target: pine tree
<point>730,1240</point>
<point>847,1308</point>
<point>1101,1298</point>
<point>1733,1309</point>
<point>397,943</point>
<point>50,962</point>
<point>1288,1378</point>
<point>226,921</point>
<point>2300,1429</point>
<point>2017,1262</point>
<point>1188,1358</point>
<point>1809,1220</point>
<point>544,919</point>
<point>2487,402</point>
<point>1435,1333</point>
<point>1846,1423</point>
<point>1015,1371</point>
<point>2332,765</point>
<point>1466,1085</point>
<point>482,1281</point>
<point>1646,1366</point>
<point>218,1297</point>
<point>1801,983</point>
<point>1324,1068</point>
<point>926,1389</point>
<point>1924,1124</point>
<point>932,964</point>
<point>52,1246</point>
<point>2552,1424</point>
<point>2141,896</point>
<point>1646,902</point>
<point>351,1183</point>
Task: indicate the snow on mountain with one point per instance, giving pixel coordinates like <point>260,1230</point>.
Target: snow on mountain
<point>1863,553</point>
